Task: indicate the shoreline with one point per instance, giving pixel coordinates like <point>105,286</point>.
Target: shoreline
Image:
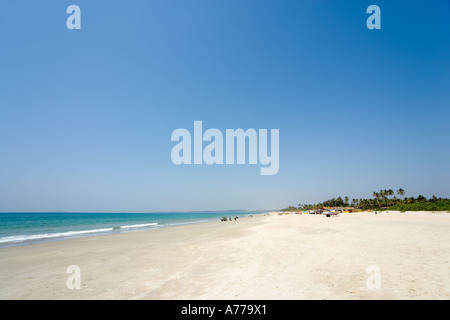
<point>108,228</point>
<point>264,257</point>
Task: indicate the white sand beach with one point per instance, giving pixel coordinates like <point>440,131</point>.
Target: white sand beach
<point>264,257</point>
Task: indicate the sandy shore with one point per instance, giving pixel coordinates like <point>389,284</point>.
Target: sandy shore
<point>264,257</point>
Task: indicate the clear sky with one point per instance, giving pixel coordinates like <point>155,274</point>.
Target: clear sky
<point>86,115</point>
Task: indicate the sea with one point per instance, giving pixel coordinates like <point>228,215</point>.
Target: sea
<point>26,228</point>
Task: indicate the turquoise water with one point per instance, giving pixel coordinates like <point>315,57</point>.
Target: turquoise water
<point>34,227</point>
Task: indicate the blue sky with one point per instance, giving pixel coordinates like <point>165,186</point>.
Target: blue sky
<point>86,115</point>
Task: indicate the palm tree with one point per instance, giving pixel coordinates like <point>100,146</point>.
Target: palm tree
<point>401,192</point>
<point>385,194</point>
<point>373,204</point>
<point>377,195</point>
<point>390,193</point>
<point>421,198</point>
<point>380,195</point>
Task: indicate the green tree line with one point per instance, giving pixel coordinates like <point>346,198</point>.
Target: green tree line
<point>382,200</point>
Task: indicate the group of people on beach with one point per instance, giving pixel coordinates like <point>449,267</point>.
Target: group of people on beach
<point>228,218</point>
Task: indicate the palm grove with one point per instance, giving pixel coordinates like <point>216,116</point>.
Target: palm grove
<point>382,200</point>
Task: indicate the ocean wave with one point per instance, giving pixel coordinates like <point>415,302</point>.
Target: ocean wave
<point>139,225</point>
<point>43,236</point>
<point>22,238</point>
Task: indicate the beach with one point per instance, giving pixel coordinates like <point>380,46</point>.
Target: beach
<point>352,256</point>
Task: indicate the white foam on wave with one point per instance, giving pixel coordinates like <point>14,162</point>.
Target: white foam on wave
<point>43,236</point>
<point>139,225</point>
<point>22,238</point>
